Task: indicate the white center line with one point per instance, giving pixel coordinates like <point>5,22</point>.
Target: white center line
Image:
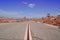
<point>28,35</point>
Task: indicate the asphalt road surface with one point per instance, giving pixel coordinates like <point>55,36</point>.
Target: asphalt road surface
<point>41,31</point>
<point>13,31</point>
<point>16,31</point>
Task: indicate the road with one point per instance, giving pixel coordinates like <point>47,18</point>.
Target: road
<point>16,31</point>
<point>44,32</point>
<point>13,31</point>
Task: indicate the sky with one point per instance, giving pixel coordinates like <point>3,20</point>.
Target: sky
<point>29,8</point>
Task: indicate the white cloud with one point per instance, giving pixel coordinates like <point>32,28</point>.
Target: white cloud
<point>9,14</point>
<point>31,5</point>
<point>24,2</point>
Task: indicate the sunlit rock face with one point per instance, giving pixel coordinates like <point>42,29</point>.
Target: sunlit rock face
<point>54,20</point>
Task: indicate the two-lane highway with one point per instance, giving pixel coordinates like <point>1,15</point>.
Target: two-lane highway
<point>39,31</point>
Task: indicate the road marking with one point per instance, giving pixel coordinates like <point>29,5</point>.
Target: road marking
<point>28,35</point>
<point>49,25</point>
<point>25,38</point>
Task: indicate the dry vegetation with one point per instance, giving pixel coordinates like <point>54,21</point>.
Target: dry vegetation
<point>53,20</point>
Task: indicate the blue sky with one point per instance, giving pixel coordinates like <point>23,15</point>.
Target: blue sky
<point>29,8</point>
